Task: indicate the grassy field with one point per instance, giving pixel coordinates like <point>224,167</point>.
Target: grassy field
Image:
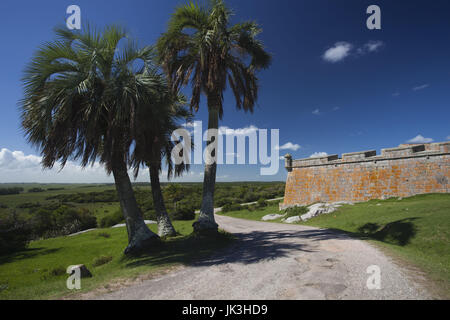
<point>416,230</point>
<point>39,272</point>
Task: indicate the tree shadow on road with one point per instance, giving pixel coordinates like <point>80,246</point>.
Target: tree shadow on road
<point>246,248</point>
<point>258,246</point>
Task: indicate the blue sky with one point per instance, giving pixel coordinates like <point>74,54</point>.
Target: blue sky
<point>334,86</point>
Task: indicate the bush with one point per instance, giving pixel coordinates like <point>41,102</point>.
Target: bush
<point>295,211</point>
<point>231,207</point>
<point>32,190</point>
<point>183,212</point>
<point>104,235</point>
<point>62,221</point>
<point>150,215</point>
<point>29,205</point>
<point>14,233</point>
<point>101,261</point>
<point>57,271</point>
<point>6,191</point>
<point>112,219</point>
<point>261,203</point>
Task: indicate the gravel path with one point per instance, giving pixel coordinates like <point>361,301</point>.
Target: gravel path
<point>280,261</point>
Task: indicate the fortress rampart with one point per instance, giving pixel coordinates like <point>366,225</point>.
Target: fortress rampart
<point>360,176</point>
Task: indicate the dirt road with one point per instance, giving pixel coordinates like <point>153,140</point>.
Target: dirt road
<point>280,261</point>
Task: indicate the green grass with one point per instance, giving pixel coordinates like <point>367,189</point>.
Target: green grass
<point>39,271</point>
<point>416,230</point>
<point>254,215</point>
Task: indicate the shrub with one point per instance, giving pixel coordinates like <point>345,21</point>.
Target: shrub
<point>112,219</point>
<point>14,233</point>
<point>6,191</point>
<point>62,221</point>
<point>295,211</point>
<point>261,203</point>
<point>57,271</point>
<point>183,212</point>
<point>150,215</point>
<point>32,190</point>
<point>104,235</point>
<point>28,205</point>
<point>99,261</point>
<point>231,207</point>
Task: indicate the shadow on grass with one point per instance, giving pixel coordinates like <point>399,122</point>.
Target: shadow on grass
<point>26,254</point>
<point>247,248</point>
<point>399,232</point>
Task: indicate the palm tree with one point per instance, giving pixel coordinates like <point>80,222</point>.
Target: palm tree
<point>200,46</point>
<point>153,144</point>
<point>82,95</point>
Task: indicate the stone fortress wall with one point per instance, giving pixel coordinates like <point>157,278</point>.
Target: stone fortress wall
<point>404,171</point>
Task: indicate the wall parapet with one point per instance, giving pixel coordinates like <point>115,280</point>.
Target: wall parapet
<point>404,171</point>
<point>400,152</point>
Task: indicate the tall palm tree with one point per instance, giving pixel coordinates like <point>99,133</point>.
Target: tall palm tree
<point>202,47</point>
<point>82,94</point>
<point>154,144</point>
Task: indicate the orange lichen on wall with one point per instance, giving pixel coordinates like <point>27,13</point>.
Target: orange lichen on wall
<point>398,172</point>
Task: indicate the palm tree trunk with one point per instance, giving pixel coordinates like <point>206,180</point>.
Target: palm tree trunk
<point>165,227</point>
<point>206,221</point>
<point>139,235</point>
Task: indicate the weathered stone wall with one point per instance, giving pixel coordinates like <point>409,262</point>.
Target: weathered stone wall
<point>360,176</point>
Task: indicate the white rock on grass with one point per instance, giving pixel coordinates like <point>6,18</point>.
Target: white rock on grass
<point>322,208</point>
<point>293,219</point>
<point>272,217</point>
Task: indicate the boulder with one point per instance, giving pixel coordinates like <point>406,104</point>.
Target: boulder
<point>318,209</point>
<point>293,219</point>
<point>272,217</point>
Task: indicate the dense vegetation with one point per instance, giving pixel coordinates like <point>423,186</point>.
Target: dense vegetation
<point>58,211</point>
<point>14,190</point>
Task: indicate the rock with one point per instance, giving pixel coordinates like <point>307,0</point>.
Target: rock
<point>342,203</point>
<point>318,209</point>
<point>293,219</point>
<point>84,272</point>
<point>272,217</point>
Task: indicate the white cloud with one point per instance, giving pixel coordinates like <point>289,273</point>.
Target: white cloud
<point>396,94</point>
<point>336,108</point>
<point>240,131</point>
<point>338,52</point>
<point>420,139</point>
<point>316,112</point>
<point>448,138</point>
<point>371,46</point>
<point>318,154</point>
<point>421,87</point>
<point>288,146</point>
<point>15,166</point>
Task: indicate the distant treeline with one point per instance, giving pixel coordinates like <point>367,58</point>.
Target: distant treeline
<point>6,191</point>
<point>87,197</point>
<point>17,229</point>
